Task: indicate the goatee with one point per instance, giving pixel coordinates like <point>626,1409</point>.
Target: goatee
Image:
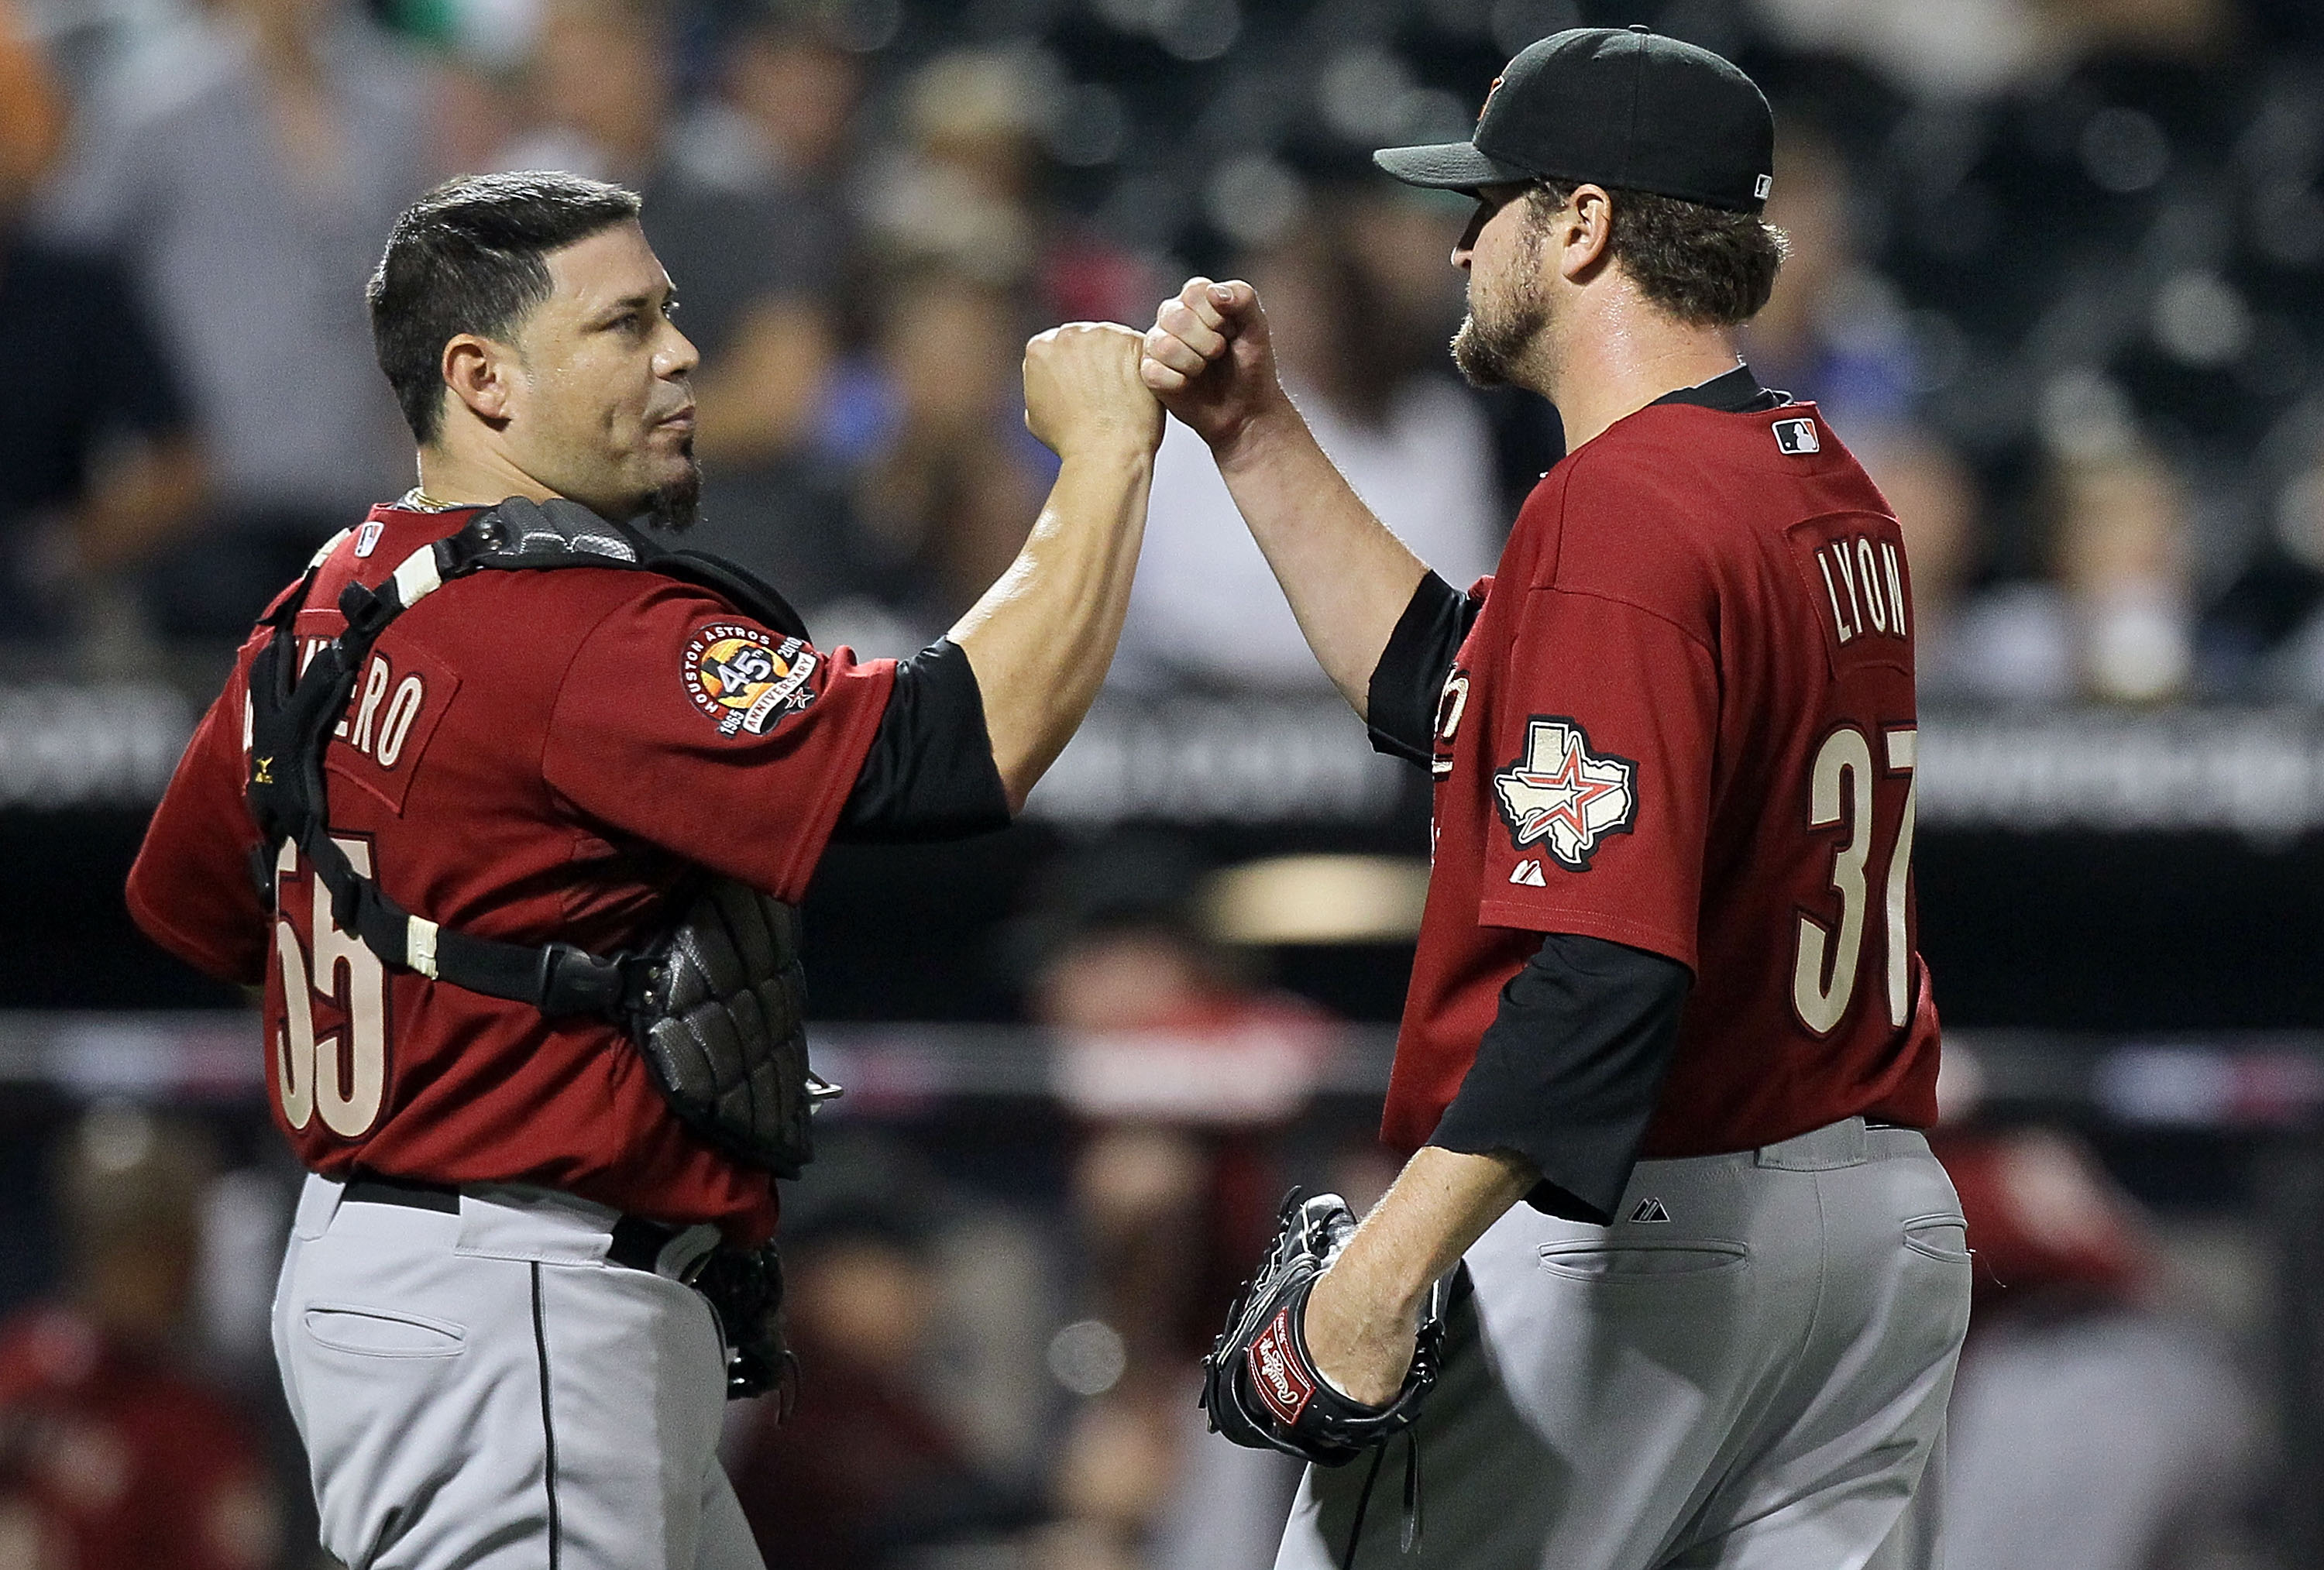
<point>671,508</point>
<point>1488,355</point>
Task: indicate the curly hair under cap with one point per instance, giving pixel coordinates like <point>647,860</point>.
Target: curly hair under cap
<point>1706,266</point>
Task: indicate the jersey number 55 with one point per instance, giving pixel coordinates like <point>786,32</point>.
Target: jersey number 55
<point>339,1075</point>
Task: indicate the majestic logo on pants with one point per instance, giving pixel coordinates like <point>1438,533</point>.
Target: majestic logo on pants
<point>1276,1375</point>
<point>1562,796</point>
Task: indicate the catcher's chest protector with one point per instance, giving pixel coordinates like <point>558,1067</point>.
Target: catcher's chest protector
<point>716,1007</point>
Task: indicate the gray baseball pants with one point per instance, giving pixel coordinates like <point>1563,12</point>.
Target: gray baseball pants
<point>1757,1383</point>
<point>482,1390</point>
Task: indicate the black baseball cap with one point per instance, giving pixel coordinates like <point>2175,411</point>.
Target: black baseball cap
<point>1615,107</point>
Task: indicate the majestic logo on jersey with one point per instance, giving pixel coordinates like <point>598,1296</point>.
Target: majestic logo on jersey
<point>1562,796</point>
<point>743,678</point>
<point>1797,437</point>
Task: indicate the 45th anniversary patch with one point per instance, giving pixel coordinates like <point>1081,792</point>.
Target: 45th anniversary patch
<point>743,679</point>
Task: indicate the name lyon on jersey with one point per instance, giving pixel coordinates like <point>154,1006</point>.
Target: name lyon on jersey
<point>1865,582</point>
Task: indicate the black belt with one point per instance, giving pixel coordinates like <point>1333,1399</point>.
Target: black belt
<point>637,1242</point>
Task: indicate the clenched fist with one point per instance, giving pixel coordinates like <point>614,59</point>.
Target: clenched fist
<point>1082,392</point>
<point>1209,361</point>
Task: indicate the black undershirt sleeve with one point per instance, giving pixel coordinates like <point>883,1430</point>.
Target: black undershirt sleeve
<point>1400,705</point>
<point>1568,1073</point>
<point>929,774</point>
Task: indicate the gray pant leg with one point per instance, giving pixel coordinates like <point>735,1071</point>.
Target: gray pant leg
<point>1584,1391</point>
<point>1838,1461</point>
<point>1756,1382</point>
<point>473,1409</point>
<point>726,1542</point>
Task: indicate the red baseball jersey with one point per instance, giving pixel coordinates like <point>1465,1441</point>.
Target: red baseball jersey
<point>528,755</point>
<point>1683,722</point>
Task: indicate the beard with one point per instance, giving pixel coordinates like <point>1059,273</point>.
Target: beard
<point>1491,346</point>
<point>671,508</point>
<point>1489,352</point>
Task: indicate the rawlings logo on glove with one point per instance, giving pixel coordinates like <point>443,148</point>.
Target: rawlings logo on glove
<point>1282,1386</point>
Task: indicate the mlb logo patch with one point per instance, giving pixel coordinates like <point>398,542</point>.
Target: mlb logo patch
<point>1797,437</point>
<point>367,537</point>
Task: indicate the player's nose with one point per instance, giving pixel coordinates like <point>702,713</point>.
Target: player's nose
<point>677,356</point>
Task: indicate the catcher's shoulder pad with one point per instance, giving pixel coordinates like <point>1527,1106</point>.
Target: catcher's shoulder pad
<point>523,533</point>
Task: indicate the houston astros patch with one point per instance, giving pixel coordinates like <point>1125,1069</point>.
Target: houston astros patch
<point>1562,796</point>
<point>746,680</point>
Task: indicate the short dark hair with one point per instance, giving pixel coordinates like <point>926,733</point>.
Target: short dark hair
<point>1707,266</point>
<point>471,257</point>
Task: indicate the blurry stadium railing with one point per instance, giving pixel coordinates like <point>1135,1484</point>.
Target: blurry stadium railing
<point>2251,1082</point>
<point>2258,773</point>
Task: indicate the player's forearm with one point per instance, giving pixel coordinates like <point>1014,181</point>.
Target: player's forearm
<point>1441,1203</point>
<point>1361,1316</point>
<point>1042,636</point>
<point>1347,576</point>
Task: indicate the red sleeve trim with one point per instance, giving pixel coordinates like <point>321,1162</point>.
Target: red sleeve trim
<point>838,783</point>
<point>1529,917</point>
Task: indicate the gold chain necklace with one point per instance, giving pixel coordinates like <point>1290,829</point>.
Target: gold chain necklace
<point>418,501</point>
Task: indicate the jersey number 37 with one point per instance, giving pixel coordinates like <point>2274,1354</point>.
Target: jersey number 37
<point>1827,958</point>
<point>340,1075</point>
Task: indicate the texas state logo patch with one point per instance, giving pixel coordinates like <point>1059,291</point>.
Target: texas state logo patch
<point>746,680</point>
<point>1562,796</point>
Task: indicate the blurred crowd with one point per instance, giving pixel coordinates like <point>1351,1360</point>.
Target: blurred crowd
<point>2054,274</point>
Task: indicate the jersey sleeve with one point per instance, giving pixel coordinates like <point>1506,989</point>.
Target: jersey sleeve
<point>929,774</point>
<point>1568,1074</point>
<point>732,745</point>
<point>190,889</point>
<point>1601,750</point>
<point>1408,685</point>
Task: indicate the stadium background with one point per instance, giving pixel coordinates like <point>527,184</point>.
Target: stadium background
<point>2057,277</point>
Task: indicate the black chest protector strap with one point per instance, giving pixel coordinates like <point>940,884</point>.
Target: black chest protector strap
<point>716,1005</point>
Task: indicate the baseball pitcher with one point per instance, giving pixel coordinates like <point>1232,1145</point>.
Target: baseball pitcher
<point>1669,1278</point>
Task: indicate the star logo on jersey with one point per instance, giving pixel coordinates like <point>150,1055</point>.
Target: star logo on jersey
<point>1563,797</point>
<point>743,679</point>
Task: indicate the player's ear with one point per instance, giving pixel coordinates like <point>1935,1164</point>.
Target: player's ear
<point>1583,232</point>
<point>481,374</point>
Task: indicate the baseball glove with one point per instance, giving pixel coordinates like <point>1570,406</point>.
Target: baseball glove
<point>744,1289</point>
<point>1260,1385</point>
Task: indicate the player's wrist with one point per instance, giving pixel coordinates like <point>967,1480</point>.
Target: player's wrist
<point>1249,440</point>
<point>1109,446</point>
